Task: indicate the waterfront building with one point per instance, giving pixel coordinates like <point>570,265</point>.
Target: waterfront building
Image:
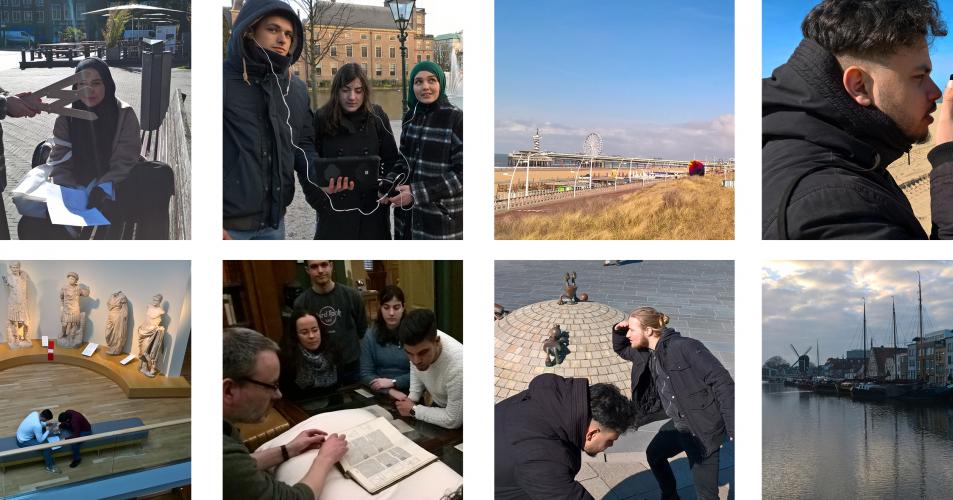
<point>930,357</point>
<point>882,362</point>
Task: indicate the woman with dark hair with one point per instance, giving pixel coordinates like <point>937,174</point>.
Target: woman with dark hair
<point>384,365</point>
<point>96,155</point>
<point>429,204</point>
<point>309,359</point>
<point>350,124</point>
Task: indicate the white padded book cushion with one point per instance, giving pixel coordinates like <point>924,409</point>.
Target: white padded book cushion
<point>433,481</point>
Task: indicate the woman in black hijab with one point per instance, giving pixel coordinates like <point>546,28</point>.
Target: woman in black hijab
<point>97,155</point>
<point>104,150</point>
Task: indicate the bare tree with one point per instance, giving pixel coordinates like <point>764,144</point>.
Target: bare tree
<point>442,52</point>
<point>324,22</point>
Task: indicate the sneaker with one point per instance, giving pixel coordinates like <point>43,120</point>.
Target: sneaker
<point>74,463</point>
<point>53,470</point>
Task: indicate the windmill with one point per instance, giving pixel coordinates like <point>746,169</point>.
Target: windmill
<point>803,360</point>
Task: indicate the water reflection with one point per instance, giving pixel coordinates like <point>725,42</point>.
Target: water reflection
<point>826,446</point>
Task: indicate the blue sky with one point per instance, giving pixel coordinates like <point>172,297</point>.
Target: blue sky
<point>781,33</point>
<point>653,78</point>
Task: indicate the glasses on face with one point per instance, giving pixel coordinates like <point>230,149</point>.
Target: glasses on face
<point>273,387</point>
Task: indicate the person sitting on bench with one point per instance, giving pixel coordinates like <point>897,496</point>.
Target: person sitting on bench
<point>74,424</point>
<point>101,151</point>
<point>33,430</point>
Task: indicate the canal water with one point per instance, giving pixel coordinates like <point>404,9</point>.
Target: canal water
<point>821,446</point>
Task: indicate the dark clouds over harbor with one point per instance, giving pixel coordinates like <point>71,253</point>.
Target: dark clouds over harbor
<point>804,302</point>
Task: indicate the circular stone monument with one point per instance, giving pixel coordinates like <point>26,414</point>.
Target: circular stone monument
<point>519,355</point>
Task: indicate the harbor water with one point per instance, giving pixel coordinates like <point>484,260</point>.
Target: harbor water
<point>824,446</point>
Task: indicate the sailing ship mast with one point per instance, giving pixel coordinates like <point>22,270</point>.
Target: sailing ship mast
<point>920,358</point>
<point>864,345</point>
<point>896,365</point>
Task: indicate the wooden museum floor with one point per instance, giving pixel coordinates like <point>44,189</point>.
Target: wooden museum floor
<point>62,387</point>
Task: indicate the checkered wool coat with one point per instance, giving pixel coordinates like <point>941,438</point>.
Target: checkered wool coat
<point>431,142</point>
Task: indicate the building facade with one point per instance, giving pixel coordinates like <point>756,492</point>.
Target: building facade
<point>447,46</point>
<point>366,35</point>
<point>27,22</point>
<point>929,358</point>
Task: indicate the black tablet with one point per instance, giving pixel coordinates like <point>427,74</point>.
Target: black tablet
<point>362,170</point>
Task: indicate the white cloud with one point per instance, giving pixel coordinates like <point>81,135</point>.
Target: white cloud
<point>711,139</point>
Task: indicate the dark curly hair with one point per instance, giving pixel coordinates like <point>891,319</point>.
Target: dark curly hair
<point>610,408</point>
<point>290,353</point>
<point>872,28</point>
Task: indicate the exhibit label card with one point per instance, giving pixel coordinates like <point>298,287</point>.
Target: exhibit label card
<point>90,349</point>
<point>127,359</point>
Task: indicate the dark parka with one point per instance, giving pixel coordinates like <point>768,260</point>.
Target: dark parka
<point>825,157</point>
<point>259,158</point>
<point>360,134</point>
<point>539,437</point>
<point>704,391</point>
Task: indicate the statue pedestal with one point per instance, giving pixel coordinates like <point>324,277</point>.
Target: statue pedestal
<point>127,377</point>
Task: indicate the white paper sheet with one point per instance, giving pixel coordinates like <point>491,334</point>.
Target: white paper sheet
<point>90,349</point>
<point>127,359</point>
<point>45,342</point>
<point>67,206</point>
<point>364,393</point>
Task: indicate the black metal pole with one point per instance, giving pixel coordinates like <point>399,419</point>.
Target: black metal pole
<point>403,70</point>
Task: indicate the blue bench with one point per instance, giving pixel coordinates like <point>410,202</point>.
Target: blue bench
<point>10,442</point>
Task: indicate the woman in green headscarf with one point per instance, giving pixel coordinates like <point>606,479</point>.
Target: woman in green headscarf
<point>429,202</point>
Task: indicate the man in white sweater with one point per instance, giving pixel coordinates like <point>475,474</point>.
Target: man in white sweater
<point>436,366</point>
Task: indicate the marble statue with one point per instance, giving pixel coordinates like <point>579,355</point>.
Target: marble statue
<point>117,323</point>
<point>150,335</point>
<point>72,317</point>
<point>18,321</point>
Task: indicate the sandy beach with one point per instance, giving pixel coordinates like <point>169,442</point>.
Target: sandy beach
<point>914,178</point>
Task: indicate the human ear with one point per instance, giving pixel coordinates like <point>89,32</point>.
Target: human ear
<point>857,83</point>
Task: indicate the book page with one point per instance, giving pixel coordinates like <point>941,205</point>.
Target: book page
<point>378,455</point>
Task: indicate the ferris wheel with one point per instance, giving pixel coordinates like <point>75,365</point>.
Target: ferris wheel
<point>592,145</point>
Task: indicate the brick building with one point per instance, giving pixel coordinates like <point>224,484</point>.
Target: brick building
<point>369,37</point>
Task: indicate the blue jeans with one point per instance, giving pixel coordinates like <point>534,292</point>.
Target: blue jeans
<point>75,447</point>
<point>47,453</point>
<point>267,233</point>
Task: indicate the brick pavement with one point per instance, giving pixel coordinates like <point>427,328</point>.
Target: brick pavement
<point>698,297</point>
<point>21,135</point>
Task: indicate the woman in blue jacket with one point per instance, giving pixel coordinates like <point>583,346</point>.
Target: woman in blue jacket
<point>384,365</point>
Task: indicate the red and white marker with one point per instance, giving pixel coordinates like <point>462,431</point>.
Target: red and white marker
<point>49,352</point>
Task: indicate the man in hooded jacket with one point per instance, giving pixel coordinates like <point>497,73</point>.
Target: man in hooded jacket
<point>854,97</point>
<point>267,133</point>
<point>542,432</point>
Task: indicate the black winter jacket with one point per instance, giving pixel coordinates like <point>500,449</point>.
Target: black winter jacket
<point>703,389</point>
<point>825,157</point>
<point>539,439</point>
<point>259,154</point>
<point>360,134</point>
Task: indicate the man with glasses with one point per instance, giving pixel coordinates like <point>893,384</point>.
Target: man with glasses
<point>250,370</point>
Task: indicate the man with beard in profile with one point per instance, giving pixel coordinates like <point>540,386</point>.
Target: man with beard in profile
<point>853,98</point>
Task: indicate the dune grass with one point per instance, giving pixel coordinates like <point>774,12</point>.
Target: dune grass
<point>696,208</point>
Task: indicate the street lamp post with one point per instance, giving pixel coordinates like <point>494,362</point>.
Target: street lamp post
<point>402,10</point>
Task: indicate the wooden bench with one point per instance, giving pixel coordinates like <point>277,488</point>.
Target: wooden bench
<point>98,445</point>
